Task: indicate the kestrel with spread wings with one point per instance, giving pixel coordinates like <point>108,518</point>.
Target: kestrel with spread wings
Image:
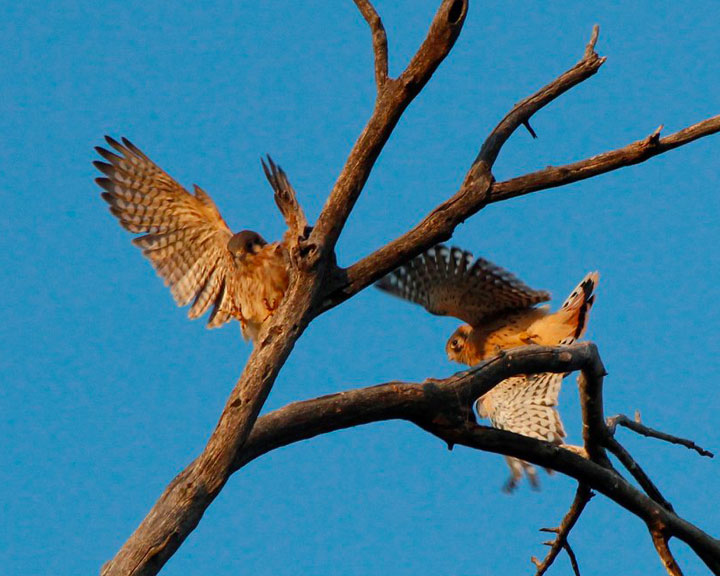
<point>189,244</point>
<point>502,313</point>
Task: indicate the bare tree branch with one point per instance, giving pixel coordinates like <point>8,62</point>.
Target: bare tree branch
<point>181,506</point>
<point>601,479</point>
<point>440,407</point>
<point>622,420</point>
<point>634,153</point>
<point>472,195</point>
<point>638,473</point>
<point>433,401</point>
<point>379,39</point>
<point>582,497</point>
<point>523,110</point>
<point>591,404</point>
<point>390,105</point>
<point>660,541</point>
<point>480,189</point>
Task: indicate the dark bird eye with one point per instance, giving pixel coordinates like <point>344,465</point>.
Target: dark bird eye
<point>454,343</point>
<point>249,246</point>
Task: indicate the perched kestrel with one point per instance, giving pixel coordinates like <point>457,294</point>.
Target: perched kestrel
<point>501,312</point>
<point>191,247</point>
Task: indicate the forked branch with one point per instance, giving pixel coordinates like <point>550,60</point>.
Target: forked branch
<point>560,542</point>
<point>523,110</point>
<point>479,188</point>
<point>660,541</point>
<point>634,153</point>
<point>640,428</point>
<point>391,103</point>
<point>631,464</point>
<point>440,408</point>
<point>637,472</point>
<point>183,503</point>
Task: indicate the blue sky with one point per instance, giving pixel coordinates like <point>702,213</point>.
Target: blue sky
<point>108,391</point>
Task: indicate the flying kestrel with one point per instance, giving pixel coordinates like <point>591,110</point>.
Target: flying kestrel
<point>189,244</point>
<point>502,313</point>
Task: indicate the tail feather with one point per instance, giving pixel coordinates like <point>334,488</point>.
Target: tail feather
<point>578,304</point>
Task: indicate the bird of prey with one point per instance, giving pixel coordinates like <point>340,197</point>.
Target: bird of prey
<point>189,244</point>
<point>526,404</point>
<point>502,313</point>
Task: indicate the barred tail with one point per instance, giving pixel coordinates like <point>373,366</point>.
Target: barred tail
<point>578,304</point>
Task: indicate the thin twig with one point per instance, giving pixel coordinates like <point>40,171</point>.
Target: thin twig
<point>573,559</point>
<point>637,472</point>
<point>583,495</point>
<point>660,541</point>
<point>634,153</point>
<point>524,110</point>
<point>379,40</point>
<point>622,420</point>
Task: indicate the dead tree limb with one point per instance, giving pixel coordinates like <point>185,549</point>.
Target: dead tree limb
<point>634,153</point>
<point>583,494</point>
<point>524,110</point>
<point>560,542</point>
<point>473,194</point>
<point>440,408</point>
<point>591,404</point>
<point>379,40</point>
<point>637,472</point>
<point>622,420</point>
<point>182,504</point>
<point>631,464</point>
<point>480,189</point>
<point>317,285</point>
<point>660,541</point>
<point>391,102</point>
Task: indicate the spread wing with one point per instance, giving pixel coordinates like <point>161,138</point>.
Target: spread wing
<point>447,282</point>
<point>185,236</point>
<point>526,405</point>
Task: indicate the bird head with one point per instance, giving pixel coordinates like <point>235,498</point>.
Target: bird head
<point>455,346</point>
<point>245,243</point>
